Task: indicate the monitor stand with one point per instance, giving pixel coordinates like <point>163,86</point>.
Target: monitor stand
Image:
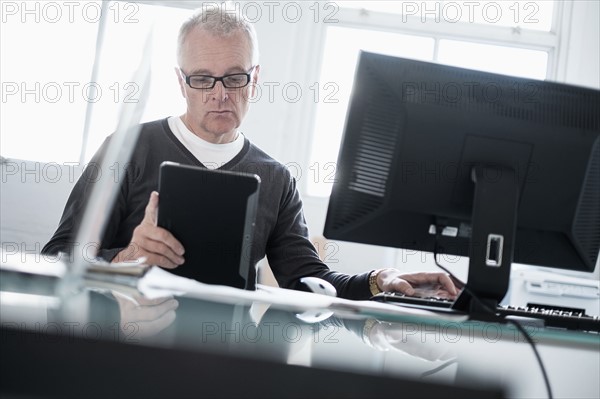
<point>494,221</point>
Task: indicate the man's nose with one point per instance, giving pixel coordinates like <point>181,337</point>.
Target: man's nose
<point>219,92</point>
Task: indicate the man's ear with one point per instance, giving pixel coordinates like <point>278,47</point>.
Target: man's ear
<point>180,80</point>
<point>254,81</point>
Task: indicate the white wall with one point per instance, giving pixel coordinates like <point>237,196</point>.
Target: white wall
<point>32,198</point>
<point>582,60</point>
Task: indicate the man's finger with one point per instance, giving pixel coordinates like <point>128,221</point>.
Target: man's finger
<point>161,260</point>
<point>143,301</point>
<point>164,236</point>
<point>447,283</point>
<point>401,285</point>
<point>151,212</point>
<point>150,328</point>
<point>457,283</point>
<point>151,313</point>
<point>432,278</point>
<point>160,248</point>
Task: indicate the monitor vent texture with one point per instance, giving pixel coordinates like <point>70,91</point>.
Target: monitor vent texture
<point>375,148</point>
<point>586,228</point>
<point>372,157</point>
<point>508,97</point>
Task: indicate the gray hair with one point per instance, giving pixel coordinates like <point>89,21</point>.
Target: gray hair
<point>219,20</point>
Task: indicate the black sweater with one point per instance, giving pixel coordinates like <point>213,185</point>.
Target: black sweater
<point>280,233</point>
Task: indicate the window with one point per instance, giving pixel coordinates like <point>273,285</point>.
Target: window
<point>44,78</point>
<point>46,73</point>
<point>492,58</point>
<point>534,15</point>
<point>342,46</point>
<point>121,54</point>
<point>513,38</point>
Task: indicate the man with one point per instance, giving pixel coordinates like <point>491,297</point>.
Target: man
<point>218,68</point>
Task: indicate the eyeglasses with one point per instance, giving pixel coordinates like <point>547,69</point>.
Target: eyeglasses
<point>205,82</point>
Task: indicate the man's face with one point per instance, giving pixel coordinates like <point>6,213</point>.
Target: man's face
<point>215,114</point>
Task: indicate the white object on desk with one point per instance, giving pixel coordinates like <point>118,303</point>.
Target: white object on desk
<point>547,288</point>
<point>319,286</point>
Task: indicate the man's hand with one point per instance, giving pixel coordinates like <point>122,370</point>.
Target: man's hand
<point>436,284</point>
<point>402,337</point>
<point>142,317</point>
<point>156,244</point>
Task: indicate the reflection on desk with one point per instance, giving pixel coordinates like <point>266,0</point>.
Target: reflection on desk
<point>104,341</point>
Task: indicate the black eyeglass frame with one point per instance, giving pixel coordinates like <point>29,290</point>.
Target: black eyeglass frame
<point>219,79</point>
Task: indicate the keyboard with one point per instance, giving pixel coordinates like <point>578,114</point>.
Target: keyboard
<point>552,316</point>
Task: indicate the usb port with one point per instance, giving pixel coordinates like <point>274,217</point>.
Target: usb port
<point>495,243</point>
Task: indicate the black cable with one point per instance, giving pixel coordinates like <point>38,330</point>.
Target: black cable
<point>493,313</point>
<point>537,355</point>
<point>439,368</point>
<point>435,254</point>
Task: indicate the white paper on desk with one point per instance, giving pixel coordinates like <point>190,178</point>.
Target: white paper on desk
<point>32,263</point>
<point>136,267</point>
<point>161,281</point>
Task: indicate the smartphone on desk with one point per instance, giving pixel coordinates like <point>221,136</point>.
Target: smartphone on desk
<point>213,214</point>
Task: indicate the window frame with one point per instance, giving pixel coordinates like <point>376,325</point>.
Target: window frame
<point>551,41</point>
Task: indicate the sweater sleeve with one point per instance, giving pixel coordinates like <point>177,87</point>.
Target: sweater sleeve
<point>292,256</point>
<point>64,238</point>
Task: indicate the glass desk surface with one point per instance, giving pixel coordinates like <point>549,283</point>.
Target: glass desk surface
<point>287,328</point>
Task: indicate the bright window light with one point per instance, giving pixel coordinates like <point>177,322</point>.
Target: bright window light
<point>46,64</point>
<point>339,62</point>
<point>120,59</point>
<point>46,73</point>
<point>390,7</point>
<point>341,51</point>
<point>513,61</point>
<point>526,14</point>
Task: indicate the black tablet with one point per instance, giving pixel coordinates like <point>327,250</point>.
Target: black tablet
<point>212,213</point>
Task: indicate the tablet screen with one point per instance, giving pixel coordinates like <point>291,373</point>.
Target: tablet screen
<point>212,213</point>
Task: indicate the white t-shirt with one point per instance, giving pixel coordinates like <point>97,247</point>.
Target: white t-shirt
<point>211,155</point>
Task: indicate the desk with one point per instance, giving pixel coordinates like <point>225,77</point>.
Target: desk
<point>186,346</point>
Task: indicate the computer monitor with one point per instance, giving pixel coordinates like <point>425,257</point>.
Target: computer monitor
<point>469,163</point>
